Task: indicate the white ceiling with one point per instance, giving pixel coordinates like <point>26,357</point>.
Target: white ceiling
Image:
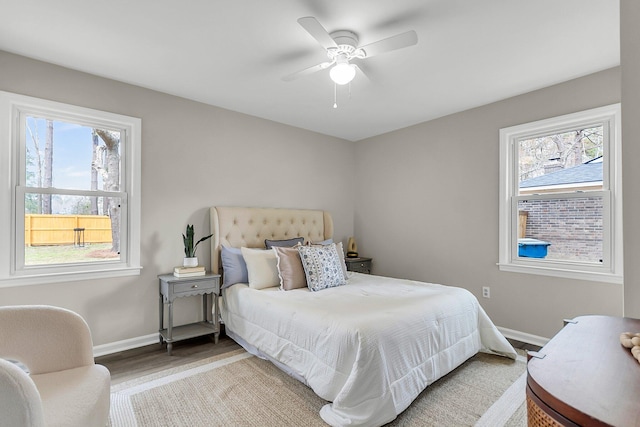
<point>233,54</point>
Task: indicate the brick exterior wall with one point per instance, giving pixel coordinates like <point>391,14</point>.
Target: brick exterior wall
<point>572,226</point>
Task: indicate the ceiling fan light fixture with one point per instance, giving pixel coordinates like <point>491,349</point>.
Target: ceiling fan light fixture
<point>343,72</point>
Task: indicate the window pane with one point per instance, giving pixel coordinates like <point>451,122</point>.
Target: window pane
<point>562,229</point>
<point>80,229</point>
<point>71,156</point>
<point>568,161</point>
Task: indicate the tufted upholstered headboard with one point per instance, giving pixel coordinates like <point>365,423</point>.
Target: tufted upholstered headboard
<point>249,227</point>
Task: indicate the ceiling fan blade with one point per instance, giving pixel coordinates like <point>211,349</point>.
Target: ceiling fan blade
<point>307,71</point>
<point>317,31</point>
<point>361,72</point>
<point>392,43</point>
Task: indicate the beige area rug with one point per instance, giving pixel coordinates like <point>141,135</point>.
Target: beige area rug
<point>237,389</point>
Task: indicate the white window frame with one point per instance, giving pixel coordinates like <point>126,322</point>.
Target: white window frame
<point>13,272</point>
<point>611,268</point>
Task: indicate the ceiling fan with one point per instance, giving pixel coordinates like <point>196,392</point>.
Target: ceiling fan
<point>342,47</point>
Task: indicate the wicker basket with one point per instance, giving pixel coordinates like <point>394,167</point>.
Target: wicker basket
<point>536,417</point>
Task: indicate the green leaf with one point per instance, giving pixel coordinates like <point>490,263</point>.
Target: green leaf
<point>189,247</point>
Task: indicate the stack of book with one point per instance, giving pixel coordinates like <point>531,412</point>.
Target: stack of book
<point>188,271</point>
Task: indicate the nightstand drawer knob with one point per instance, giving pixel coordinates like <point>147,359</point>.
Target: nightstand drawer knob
<point>194,286</point>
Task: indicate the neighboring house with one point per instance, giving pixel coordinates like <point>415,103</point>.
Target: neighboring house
<point>573,226</point>
<point>585,177</point>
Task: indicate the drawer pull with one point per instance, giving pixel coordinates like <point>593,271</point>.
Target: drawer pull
<point>194,286</point>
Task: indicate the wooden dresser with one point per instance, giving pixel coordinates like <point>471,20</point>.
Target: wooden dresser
<point>585,377</point>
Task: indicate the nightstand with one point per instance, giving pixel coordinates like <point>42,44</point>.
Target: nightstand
<point>360,264</point>
<point>172,287</point>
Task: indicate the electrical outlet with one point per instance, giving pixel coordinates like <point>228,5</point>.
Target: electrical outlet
<point>486,292</point>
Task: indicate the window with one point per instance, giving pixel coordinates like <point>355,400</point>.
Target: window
<point>71,191</point>
<point>561,196</point>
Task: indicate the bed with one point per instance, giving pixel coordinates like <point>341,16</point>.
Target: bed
<point>369,346</point>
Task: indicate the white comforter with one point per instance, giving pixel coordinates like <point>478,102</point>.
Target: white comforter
<point>369,347</point>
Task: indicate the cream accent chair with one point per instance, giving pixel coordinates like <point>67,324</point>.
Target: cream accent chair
<point>64,386</point>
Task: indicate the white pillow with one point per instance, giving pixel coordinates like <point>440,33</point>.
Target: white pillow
<point>262,267</point>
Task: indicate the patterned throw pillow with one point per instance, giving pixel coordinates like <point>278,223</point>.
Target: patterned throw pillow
<point>340,253</point>
<point>321,266</point>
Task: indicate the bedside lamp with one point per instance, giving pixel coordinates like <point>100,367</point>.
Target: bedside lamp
<point>352,248</point>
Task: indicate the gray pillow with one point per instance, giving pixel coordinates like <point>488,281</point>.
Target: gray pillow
<point>234,267</point>
<point>287,243</point>
<point>324,242</point>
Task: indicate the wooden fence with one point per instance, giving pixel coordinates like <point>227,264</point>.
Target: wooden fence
<point>522,224</point>
<point>42,230</point>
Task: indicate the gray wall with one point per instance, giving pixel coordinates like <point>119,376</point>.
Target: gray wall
<point>409,205</point>
<point>193,156</point>
<point>427,207</point>
<point>630,63</point>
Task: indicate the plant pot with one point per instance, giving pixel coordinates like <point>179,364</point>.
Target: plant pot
<point>190,262</point>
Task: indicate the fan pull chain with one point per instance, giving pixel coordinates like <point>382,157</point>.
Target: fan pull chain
<point>335,95</point>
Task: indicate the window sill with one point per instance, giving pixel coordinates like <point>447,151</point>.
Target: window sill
<point>563,273</point>
<point>40,279</point>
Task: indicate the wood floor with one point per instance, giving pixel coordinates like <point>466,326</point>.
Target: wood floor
<point>130,364</point>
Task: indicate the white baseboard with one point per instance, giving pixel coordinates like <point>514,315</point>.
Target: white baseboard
<point>523,337</point>
<point>128,344</point>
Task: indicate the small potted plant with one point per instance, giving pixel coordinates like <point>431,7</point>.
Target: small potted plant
<point>190,258</point>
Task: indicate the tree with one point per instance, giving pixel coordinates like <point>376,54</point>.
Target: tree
<point>31,201</point>
<point>38,161</point>
<point>48,168</point>
<point>94,172</point>
<point>566,150</point>
<point>107,163</point>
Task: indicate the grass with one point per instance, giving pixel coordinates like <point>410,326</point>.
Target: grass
<point>66,254</point>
